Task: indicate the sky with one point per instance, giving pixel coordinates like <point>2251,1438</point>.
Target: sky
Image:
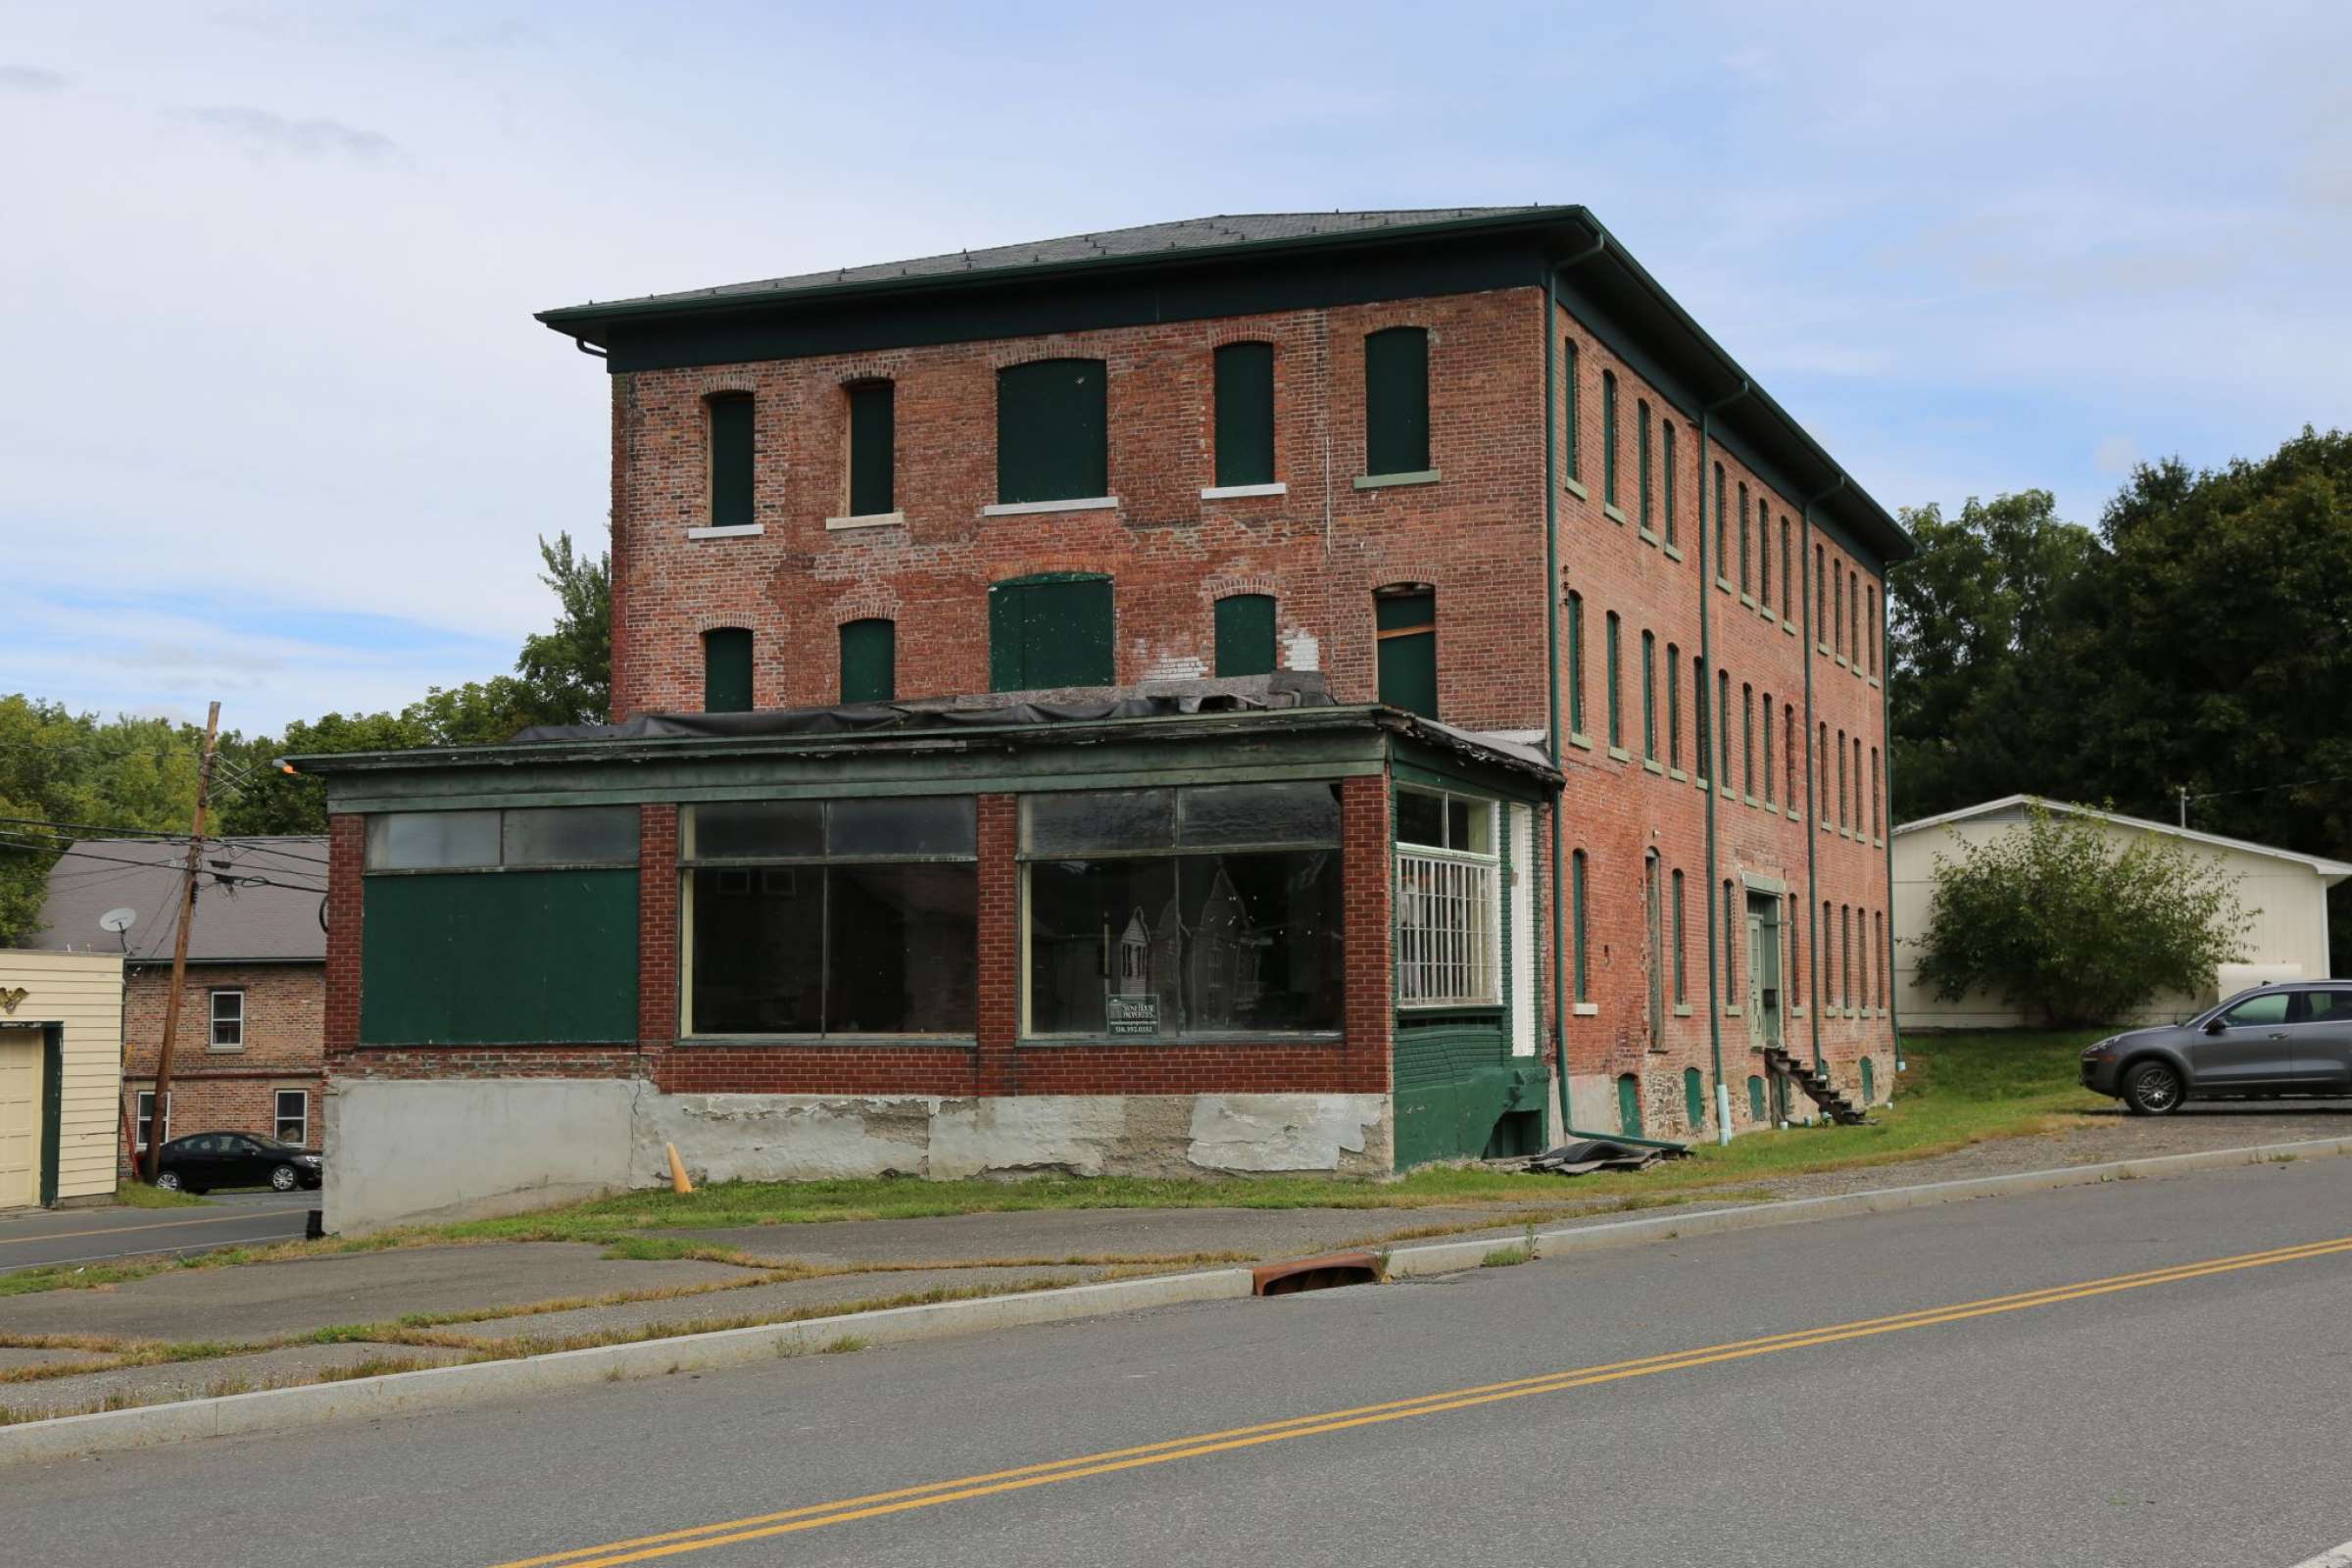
<point>278,428</point>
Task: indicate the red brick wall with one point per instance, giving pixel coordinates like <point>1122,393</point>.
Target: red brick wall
<point>346,856</point>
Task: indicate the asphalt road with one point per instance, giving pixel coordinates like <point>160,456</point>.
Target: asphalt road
<point>2072,1390</point>
<point>93,1235</point>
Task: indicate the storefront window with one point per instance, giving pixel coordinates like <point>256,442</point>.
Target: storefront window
<point>1159,913</point>
<point>832,918</point>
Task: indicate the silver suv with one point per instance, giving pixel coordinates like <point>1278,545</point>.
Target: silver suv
<point>2293,1037</point>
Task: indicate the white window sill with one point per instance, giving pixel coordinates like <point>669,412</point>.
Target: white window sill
<point>1682,1009</point>
<point>1022,509</point>
<point>1574,488</point>
<point>1384,482</point>
<point>738,531</point>
<point>1584,1009</point>
<point>1673,552</point>
<point>1612,511</point>
<point>1233,492</point>
<point>1789,627</point>
<point>870,520</point>
<point>224,1051</point>
<point>1618,754</point>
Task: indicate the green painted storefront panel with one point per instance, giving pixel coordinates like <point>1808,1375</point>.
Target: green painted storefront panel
<point>1245,634</point>
<point>1453,1085</point>
<point>507,958</point>
<point>869,661</point>
<point>873,441</point>
<point>1246,414</point>
<point>1052,431</point>
<point>1397,401</point>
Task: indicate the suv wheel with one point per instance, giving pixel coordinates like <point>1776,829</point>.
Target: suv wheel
<point>2152,1089</point>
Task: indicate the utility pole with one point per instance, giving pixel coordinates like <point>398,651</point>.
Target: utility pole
<point>2185,805</point>
<point>180,945</point>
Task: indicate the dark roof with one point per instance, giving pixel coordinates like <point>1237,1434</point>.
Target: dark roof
<point>236,920</point>
<point>1145,241</point>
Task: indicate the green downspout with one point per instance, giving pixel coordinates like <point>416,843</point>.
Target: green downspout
<point>1894,1018</point>
<point>1706,659</point>
<point>1805,564</point>
<point>1551,663</point>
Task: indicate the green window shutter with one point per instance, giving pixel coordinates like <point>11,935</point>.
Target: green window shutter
<point>1246,414</point>
<point>1649,695</point>
<point>873,441</point>
<point>1575,663</point>
<point>1694,1097</point>
<point>1052,431</point>
<point>730,461</point>
<point>1666,429</point>
<point>1616,714</point>
<point>1246,635</point>
<point>1407,626</point>
<point>1608,437</point>
<point>1397,401</point>
<point>869,661</point>
<point>1049,631</point>
<point>1579,901</point>
<point>727,670</point>
<point>1568,379</point>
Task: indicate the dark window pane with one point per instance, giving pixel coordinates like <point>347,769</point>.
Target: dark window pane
<point>573,835</point>
<point>914,825</point>
<point>1098,929</point>
<point>1420,819</point>
<point>1397,401</point>
<point>730,461</point>
<point>758,951</point>
<point>872,435</point>
<point>1098,820</point>
<point>727,670</point>
<point>1246,635</point>
<point>1052,432</point>
<point>1262,941</point>
<point>756,830</point>
<point>904,950</point>
<point>1261,813</point>
<point>1246,414</point>
<point>869,661</point>
<point>411,841</point>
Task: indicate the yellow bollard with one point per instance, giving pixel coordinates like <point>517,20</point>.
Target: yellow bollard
<point>678,1180</point>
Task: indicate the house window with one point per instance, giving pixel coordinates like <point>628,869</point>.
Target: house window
<point>1405,629</point>
<point>869,661</point>
<point>146,1118</point>
<point>873,448</point>
<point>1845,954</point>
<point>1744,581</point>
<point>1723,537</point>
<point>293,1116</point>
<point>1641,453</point>
<point>520,836</point>
<point>1703,740</point>
<point>1723,731</point>
<point>1857,786</point>
<point>1245,634</point>
<point>1878,825</point>
<point>1820,596</point>
<point>1837,607</point>
<point>1785,576</point>
<point>1763,554</point>
<point>1608,437</point>
<point>1616,715</point>
<point>727,670</point>
<point>1580,905</point>
<point>1747,740</point>
<point>1163,912</point>
<point>1575,663</point>
<point>1674,706</point>
<point>1789,753</point>
<point>729,418</point>
<point>1666,430</point>
<point>1244,375</point>
<point>1821,769</point>
<point>1853,619</point>
<point>1842,819</point>
<point>1572,425</point>
<point>1870,635</point>
<point>1682,950</point>
<point>1397,401</point>
<point>1764,747</point>
<point>1650,697</point>
<point>1047,631</point>
<point>1654,921</point>
<point>228,1019</point>
<point>1449,909</point>
<point>831,917</point>
<point>1053,432</point>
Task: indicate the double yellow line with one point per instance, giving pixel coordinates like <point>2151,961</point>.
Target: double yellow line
<point>874,1506</point>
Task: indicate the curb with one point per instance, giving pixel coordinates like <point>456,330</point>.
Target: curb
<point>452,1387</point>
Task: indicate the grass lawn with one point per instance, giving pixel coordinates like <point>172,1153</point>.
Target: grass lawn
<point>1958,1090</point>
<point>138,1194</point>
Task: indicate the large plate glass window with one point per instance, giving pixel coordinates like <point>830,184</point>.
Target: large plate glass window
<point>832,918</point>
<point>1161,913</point>
<point>1449,901</point>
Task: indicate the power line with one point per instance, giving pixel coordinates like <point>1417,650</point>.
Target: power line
<point>2264,789</point>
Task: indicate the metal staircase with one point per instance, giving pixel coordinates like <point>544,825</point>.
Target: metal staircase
<point>1817,1088</point>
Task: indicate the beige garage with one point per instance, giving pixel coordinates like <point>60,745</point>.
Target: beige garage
<point>2285,891</point>
<point>60,1075</point>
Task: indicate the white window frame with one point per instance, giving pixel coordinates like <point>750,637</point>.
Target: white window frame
<point>277,1117</point>
<point>142,1109</point>
<point>1443,962</point>
<point>213,1020</point>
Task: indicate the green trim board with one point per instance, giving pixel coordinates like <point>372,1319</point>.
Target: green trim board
<point>53,1107</point>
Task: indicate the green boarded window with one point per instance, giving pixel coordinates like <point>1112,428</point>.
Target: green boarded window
<point>1723,728</point>
<point>1245,634</point>
<point>1785,588</point>
<point>1698,708</point>
<point>1575,663</point>
<point>515,958</point>
<point>1723,538</point>
<point>1682,971</point>
<point>1052,431</point>
<point>873,449</point>
<point>1246,414</point>
<point>1666,430</point>
<point>1755,1097</point>
<point>1650,697</point>
<point>1744,567</point>
<point>1764,746</point>
<point>1763,552</point>
<point>1820,588</point>
<point>1568,401</point>
<point>1694,1099</point>
<point>1608,436</point>
<point>1629,1105</point>
<point>1732,932</point>
<point>1616,703</point>
<point>1641,455</point>
<point>1049,631</point>
<point>730,461</point>
<point>1405,624</point>
<point>1674,706</point>
<point>1397,401</point>
<point>869,661</point>
<point>1748,741</point>
<point>727,670</point>
<point>1580,909</point>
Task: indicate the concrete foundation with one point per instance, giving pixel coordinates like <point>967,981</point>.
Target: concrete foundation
<point>429,1149</point>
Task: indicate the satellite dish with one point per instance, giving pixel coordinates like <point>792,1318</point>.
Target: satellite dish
<point>117,919</point>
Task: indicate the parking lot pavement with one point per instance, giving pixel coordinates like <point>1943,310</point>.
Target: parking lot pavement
<point>95,1235</point>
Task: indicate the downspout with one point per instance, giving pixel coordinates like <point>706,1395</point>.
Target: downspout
<point>1551,662</point>
<point>1894,1019</point>
<point>1716,742</point>
<point>1804,570</point>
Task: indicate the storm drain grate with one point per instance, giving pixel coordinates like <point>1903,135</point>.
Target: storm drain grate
<point>1325,1273</point>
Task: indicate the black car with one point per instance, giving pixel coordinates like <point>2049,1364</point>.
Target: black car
<point>2278,1040</point>
<point>202,1162</point>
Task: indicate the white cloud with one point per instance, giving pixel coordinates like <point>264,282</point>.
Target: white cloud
<point>263,131</point>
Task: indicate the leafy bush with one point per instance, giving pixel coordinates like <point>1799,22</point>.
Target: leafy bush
<point>2063,920</point>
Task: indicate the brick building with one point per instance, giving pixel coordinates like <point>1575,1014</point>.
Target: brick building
<point>1272,691</point>
<point>248,1056</point>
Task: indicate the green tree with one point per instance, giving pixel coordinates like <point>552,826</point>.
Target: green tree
<point>2062,920</point>
<point>569,669</point>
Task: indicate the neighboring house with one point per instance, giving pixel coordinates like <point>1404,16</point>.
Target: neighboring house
<point>61,1077</point>
<point>1257,693</point>
<point>2285,891</point>
<point>248,1055</point>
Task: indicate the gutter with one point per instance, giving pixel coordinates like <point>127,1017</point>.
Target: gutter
<point>1804,571</point>
<point>1894,1016</point>
<point>1716,739</point>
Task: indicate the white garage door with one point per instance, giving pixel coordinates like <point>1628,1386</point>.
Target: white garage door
<point>20,1117</point>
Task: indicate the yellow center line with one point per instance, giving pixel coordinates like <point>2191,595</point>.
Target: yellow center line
<point>644,1548</point>
<point>158,1225</point>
